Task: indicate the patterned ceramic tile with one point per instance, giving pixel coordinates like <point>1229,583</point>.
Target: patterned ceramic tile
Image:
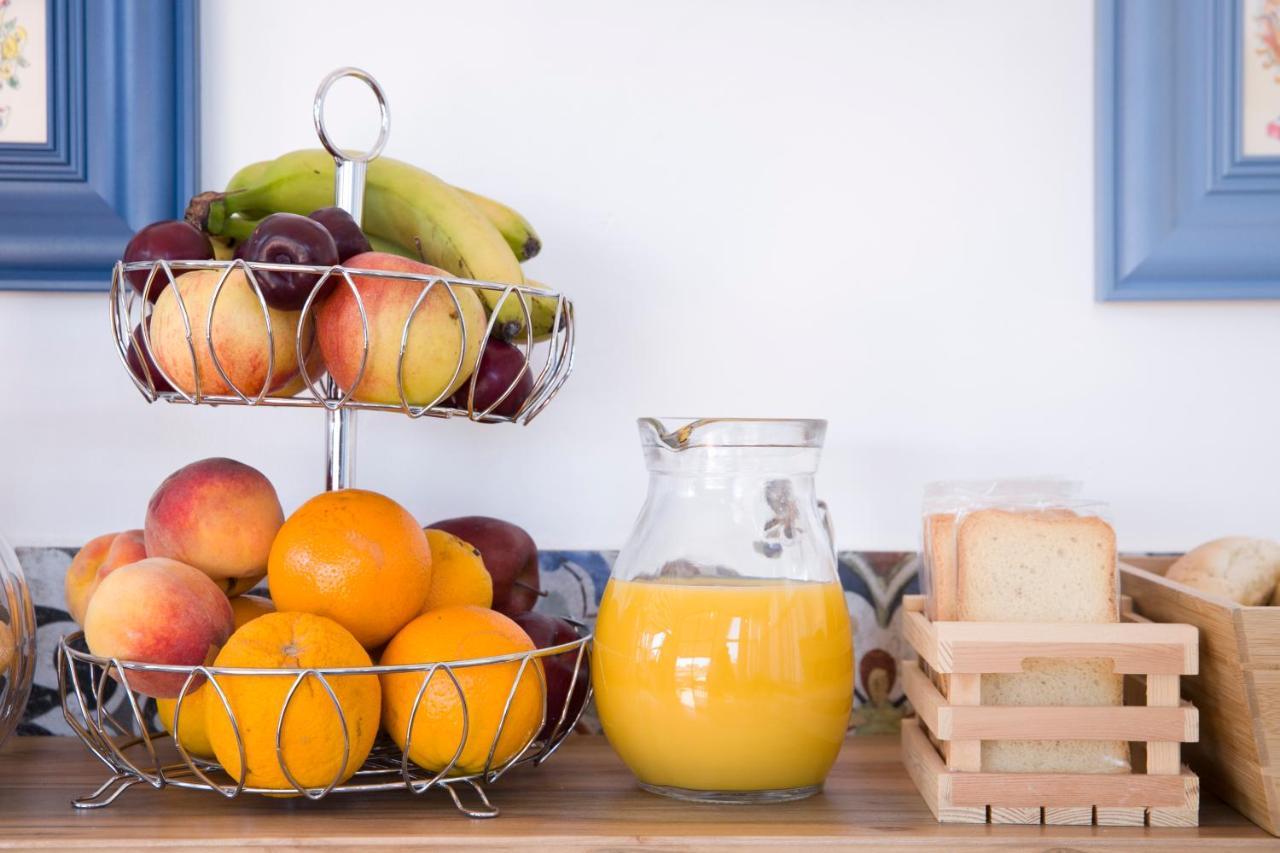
<point>874,584</point>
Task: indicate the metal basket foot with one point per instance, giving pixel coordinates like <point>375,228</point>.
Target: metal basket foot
<point>487,810</point>
<point>117,785</point>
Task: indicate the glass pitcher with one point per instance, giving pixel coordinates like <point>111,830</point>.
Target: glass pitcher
<point>723,653</point>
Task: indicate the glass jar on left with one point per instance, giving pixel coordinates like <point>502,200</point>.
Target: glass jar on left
<point>17,641</point>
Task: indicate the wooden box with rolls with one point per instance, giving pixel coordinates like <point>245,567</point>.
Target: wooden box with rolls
<point>1238,687</point>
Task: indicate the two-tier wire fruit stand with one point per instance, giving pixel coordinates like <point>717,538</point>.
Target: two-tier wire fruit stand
<point>125,742</point>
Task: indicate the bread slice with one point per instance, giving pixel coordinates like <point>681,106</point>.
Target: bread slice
<point>1043,566</point>
<point>1036,566</point>
<point>1046,681</point>
<point>940,565</point>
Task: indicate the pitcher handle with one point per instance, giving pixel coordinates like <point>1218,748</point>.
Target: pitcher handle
<point>830,527</point>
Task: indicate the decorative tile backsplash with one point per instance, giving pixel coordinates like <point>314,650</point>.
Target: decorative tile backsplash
<point>874,583</point>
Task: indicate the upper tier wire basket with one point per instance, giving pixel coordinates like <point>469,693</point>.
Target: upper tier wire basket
<point>286,366</point>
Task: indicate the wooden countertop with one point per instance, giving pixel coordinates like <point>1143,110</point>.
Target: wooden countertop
<point>582,799</point>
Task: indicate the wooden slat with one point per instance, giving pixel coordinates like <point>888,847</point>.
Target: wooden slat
<point>1011,815</point>
<point>1163,757</point>
<point>993,722</point>
<point>1001,647</point>
<point>1069,816</point>
<point>922,694</point>
<point>964,754</point>
<point>1069,789</point>
<point>922,763</point>
<point>919,634</point>
<point>1117,816</point>
<point>930,777</point>
<point>1173,817</point>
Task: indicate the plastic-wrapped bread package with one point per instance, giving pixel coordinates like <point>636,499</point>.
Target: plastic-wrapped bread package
<point>1030,551</point>
<point>945,500</point>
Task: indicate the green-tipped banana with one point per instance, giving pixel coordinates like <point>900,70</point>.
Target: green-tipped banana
<point>514,228</point>
<point>248,176</point>
<point>403,204</point>
<point>542,310</point>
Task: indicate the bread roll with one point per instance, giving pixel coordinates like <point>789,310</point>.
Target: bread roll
<point>1239,568</point>
<point>1043,566</point>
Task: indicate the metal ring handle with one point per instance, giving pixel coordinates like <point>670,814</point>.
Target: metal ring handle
<point>317,112</point>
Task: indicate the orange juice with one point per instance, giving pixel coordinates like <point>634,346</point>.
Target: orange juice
<point>724,685</point>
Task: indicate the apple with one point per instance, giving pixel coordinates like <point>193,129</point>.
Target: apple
<point>435,341</point>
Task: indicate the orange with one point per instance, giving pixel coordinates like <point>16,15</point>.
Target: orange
<point>356,557</point>
<point>312,739</point>
<point>454,634</point>
<point>458,575</point>
<point>194,737</point>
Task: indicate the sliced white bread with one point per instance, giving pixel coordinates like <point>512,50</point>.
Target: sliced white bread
<point>1239,568</point>
<point>1043,566</point>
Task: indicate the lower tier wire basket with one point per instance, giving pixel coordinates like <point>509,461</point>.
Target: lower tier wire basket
<point>443,745</point>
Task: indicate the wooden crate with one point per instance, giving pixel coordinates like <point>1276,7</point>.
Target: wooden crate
<point>952,784</point>
<point>1237,689</point>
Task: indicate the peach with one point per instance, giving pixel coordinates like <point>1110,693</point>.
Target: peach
<point>218,515</point>
<point>435,335</point>
<point>97,559</point>
<point>158,611</point>
<point>239,336</point>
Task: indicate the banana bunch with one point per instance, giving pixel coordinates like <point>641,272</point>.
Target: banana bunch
<point>407,211</point>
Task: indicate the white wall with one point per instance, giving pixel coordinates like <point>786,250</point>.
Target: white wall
<point>878,213</point>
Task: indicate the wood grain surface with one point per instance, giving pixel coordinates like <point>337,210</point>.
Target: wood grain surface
<point>582,799</point>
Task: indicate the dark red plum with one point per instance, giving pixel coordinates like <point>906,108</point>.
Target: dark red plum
<point>346,234</point>
<point>499,366</point>
<point>171,240</point>
<point>287,238</point>
<point>547,631</point>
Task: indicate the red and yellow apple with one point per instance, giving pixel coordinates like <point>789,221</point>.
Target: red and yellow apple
<point>97,559</point>
<point>239,336</point>
<point>218,515</point>
<point>435,334</point>
<point>158,611</point>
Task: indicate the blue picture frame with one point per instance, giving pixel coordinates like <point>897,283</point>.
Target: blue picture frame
<point>1181,213</point>
<point>123,142</point>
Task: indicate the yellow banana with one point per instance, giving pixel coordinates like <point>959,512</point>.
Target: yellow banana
<point>403,204</point>
<point>514,228</point>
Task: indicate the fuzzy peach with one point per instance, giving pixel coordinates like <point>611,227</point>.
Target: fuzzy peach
<point>97,559</point>
<point>239,336</point>
<point>158,611</point>
<point>218,515</point>
<point>435,335</point>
